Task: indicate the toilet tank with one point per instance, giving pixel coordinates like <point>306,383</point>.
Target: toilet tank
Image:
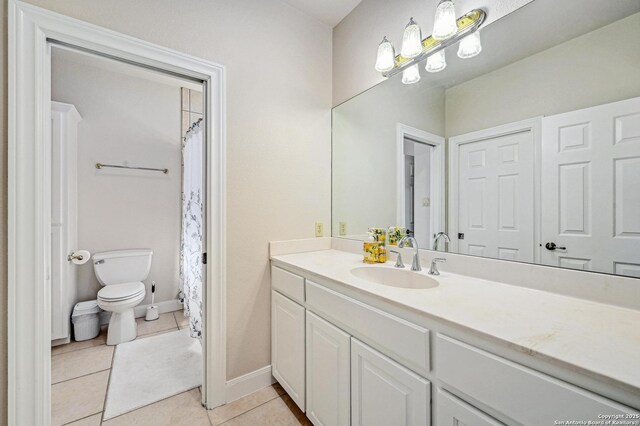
<point>122,266</point>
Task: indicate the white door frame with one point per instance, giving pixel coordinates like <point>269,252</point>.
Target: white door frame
<point>437,172</point>
<point>29,221</point>
<point>534,125</point>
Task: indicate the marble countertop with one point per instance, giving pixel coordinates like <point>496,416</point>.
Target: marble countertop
<point>600,340</point>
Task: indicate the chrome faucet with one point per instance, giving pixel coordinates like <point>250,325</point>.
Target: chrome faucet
<point>415,265</point>
<point>434,268</point>
<point>436,239</point>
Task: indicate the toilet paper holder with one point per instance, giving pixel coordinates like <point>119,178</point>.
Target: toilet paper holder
<point>79,257</point>
<point>75,256</point>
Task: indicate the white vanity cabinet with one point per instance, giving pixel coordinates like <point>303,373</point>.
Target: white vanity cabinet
<point>328,367</point>
<point>288,346</point>
<point>333,376</point>
<point>348,362</point>
<point>385,393</point>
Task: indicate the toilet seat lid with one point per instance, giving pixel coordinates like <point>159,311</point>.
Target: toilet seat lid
<point>122,291</point>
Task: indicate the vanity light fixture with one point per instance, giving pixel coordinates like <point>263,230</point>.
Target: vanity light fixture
<point>411,40</point>
<point>444,24</point>
<point>411,75</point>
<point>429,48</point>
<point>386,56</point>
<point>436,62</point>
<point>470,46</point>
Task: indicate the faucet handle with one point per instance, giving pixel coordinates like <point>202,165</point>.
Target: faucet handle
<point>434,269</point>
<point>399,263</point>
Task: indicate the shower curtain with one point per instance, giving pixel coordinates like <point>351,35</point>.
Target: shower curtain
<point>192,217</point>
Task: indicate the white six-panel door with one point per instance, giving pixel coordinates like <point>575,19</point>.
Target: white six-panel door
<point>590,188</point>
<point>492,192</point>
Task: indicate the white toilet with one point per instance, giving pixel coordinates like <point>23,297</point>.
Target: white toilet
<point>121,273</point>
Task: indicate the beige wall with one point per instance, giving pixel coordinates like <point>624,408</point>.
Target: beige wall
<point>599,67</point>
<point>356,38</point>
<point>278,118</point>
<point>126,119</point>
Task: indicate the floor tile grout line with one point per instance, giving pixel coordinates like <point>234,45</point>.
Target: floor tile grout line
<point>79,377</point>
<point>106,391</point>
<point>175,319</point>
<point>82,418</point>
<point>79,349</point>
<point>145,406</point>
<point>245,412</point>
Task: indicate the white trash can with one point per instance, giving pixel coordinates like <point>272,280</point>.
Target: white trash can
<point>86,321</point>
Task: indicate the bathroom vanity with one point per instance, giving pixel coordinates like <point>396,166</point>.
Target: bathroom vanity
<point>376,345</point>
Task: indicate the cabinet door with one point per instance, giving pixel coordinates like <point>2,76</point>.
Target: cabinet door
<point>287,346</point>
<point>385,393</point>
<point>328,362</point>
<point>451,411</point>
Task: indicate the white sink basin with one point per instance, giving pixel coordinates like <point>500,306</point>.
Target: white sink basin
<point>400,278</point>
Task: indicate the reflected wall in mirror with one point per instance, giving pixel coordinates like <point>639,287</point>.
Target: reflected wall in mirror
<point>528,152</point>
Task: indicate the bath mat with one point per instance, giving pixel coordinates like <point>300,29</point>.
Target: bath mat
<point>153,368</point>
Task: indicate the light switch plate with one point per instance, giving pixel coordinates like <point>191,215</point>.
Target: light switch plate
<point>319,229</point>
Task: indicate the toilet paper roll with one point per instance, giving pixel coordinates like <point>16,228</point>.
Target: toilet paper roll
<point>80,257</point>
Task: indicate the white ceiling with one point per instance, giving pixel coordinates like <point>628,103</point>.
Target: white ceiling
<point>331,12</point>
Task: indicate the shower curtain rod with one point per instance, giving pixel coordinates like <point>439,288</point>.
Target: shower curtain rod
<point>100,166</point>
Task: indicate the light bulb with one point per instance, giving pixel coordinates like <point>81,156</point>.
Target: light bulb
<point>411,75</point>
<point>411,40</point>
<point>444,25</point>
<point>386,56</point>
<point>436,62</point>
<point>470,46</point>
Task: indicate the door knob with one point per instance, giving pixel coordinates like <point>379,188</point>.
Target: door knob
<point>552,246</point>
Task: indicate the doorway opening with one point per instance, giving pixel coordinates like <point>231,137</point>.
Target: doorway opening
<point>127,241</point>
<point>420,183</point>
<point>33,32</point>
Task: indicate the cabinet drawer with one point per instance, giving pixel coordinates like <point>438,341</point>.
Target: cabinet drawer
<point>399,339</point>
<point>519,393</point>
<point>453,411</point>
<point>289,284</point>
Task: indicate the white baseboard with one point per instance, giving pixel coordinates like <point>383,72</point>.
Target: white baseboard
<point>141,310</point>
<point>249,383</point>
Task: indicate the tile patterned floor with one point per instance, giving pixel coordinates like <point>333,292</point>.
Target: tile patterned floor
<point>80,375</point>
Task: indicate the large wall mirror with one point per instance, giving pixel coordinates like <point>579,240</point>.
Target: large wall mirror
<point>527,152</point>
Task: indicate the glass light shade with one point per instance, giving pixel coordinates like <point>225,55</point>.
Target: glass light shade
<point>411,40</point>
<point>411,75</point>
<point>436,62</point>
<point>386,56</point>
<point>444,25</point>
<point>470,46</point>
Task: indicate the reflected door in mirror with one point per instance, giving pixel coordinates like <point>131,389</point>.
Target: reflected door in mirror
<point>495,197</point>
<point>590,188</point>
